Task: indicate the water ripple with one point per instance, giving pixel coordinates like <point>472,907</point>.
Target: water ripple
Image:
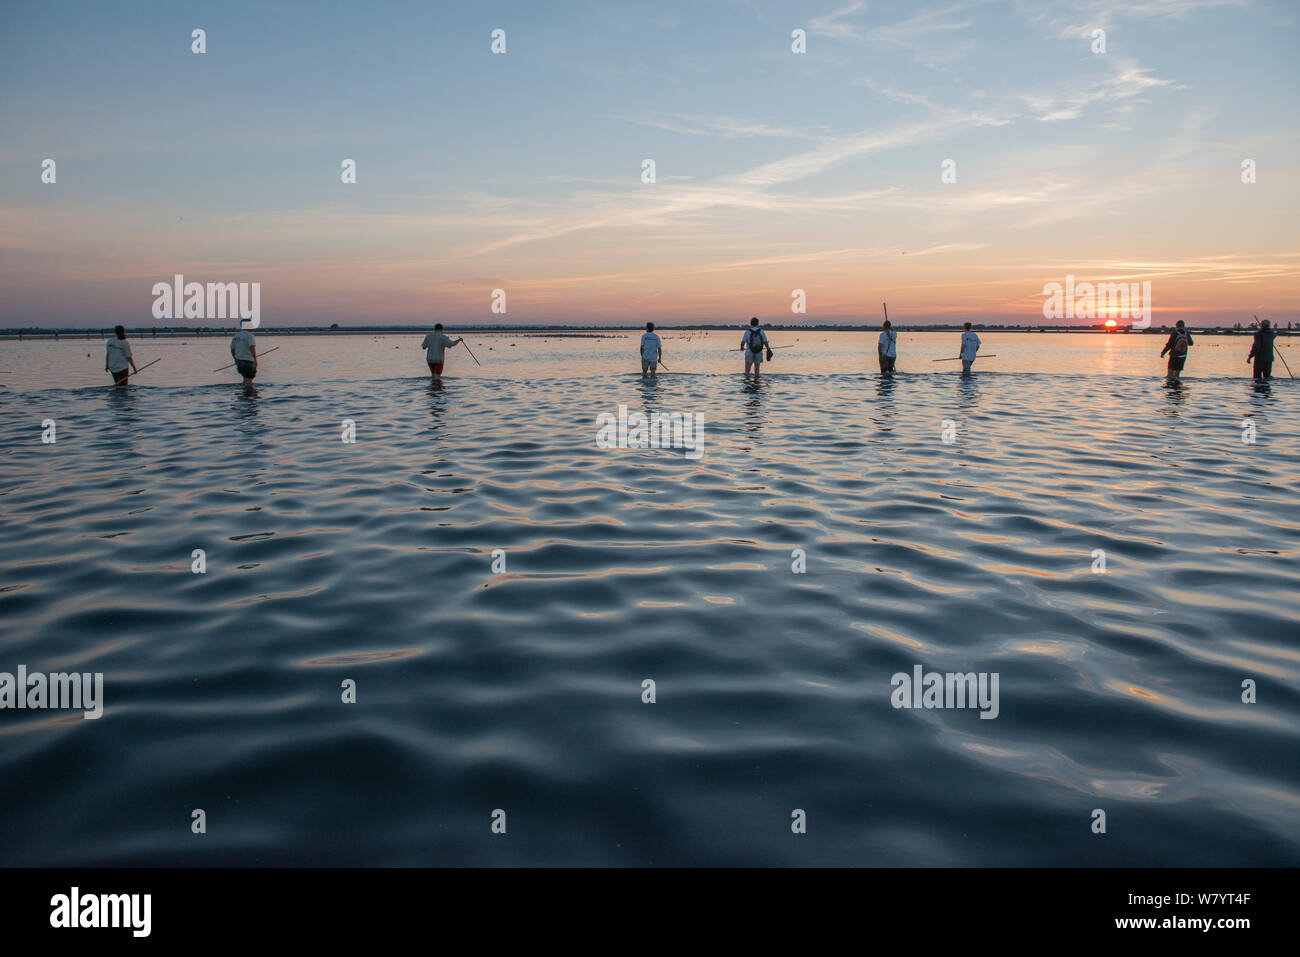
<point>482,685</point>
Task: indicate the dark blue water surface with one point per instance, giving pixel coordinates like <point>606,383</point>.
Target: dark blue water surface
<point>521,690</point>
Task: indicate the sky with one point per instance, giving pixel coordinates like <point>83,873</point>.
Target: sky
<point>774,171</point>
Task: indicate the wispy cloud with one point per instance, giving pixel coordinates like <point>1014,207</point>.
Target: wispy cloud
<point>1127,80</point>
<point>1074,19</point>
<point>932,36</point>
<point>1228,268</point>
<point>835,151</point>
<point>830,255</point>
<point>724,126</point>
<point>979,118</point>
<point>748,190</point>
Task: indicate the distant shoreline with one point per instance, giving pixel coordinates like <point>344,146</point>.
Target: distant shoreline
<point>577,332</point>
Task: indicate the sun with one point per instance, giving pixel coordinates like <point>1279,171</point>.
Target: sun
<point>1111,323</point>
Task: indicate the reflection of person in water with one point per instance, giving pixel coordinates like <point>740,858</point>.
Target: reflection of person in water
<point>753,404</point>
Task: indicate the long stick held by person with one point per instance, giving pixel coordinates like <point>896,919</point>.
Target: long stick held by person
<point>436,345</point>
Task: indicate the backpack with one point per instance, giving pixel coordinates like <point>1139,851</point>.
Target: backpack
<point>755,340</point>
<point>1180,344</point>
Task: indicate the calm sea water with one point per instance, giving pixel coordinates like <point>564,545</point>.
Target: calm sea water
<point>521,690</point>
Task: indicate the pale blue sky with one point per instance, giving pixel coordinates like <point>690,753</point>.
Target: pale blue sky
<point>775,171</point>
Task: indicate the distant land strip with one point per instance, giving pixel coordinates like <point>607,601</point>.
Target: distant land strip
<point>593,332</point>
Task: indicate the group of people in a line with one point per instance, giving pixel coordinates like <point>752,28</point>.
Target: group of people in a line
<point>756,347</point>
<point>887,348</point>
<point>119,362</point>
<point>754,344</point>
<point>1261,350</point>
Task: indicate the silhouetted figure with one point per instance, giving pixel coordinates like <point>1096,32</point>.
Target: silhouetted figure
<point>1180,340</point>
<point>1262,351</point>
<point>887,348</point>
<point>243,349</point>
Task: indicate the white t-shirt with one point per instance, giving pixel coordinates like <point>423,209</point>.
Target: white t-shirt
<point>650,346</point>
<point>435,346</point>
<point>116,353</point>
<point>889,344</point>
<point>969,344</point>
<point>241,344</point>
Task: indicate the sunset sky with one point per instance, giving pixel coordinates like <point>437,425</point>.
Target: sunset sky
<point>775,170</point>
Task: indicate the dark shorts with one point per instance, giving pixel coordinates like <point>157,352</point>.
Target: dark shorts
<point>120,377</point>
<point>435,368</point>
<point>887,363</point>
<point>247,369</point>
<point>1263,370</point>
<point>1176,363</point>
